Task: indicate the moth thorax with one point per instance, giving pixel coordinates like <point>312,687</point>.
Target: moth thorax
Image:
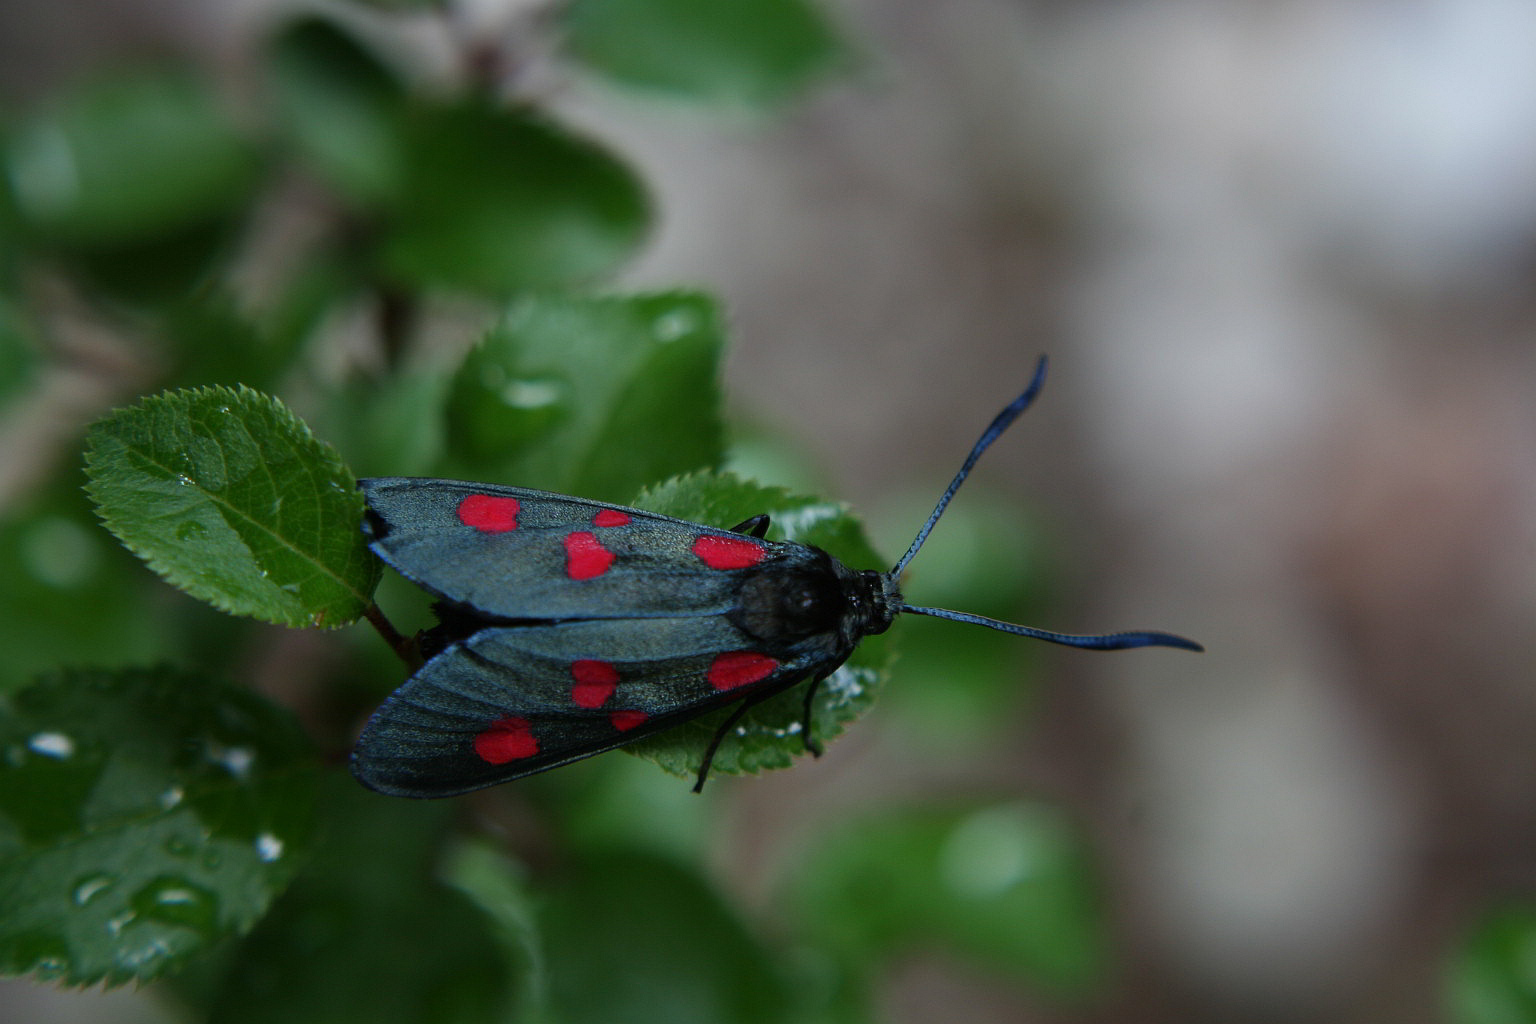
<point>873,600</point>
<point>790,604</point>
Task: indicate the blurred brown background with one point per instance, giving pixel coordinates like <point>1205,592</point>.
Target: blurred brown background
<point>1282,255</point>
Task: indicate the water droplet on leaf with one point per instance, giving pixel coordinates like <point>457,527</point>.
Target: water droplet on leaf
<point>53,744</point>
<point>268,847</point>
<point>674,324</point>
<point>172,900</point>
<point>91,886</point>
<point>235,760</point>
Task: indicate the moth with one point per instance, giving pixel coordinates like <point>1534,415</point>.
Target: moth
<point>569,627</point>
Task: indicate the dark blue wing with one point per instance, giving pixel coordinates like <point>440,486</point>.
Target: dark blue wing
<point>513,700</point>
<point>509,552</point>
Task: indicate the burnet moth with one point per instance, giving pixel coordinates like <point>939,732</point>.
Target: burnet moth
<point>569,627</point>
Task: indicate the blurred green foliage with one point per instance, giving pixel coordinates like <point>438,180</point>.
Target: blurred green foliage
<point>167,821</point>
<point>1491,973</point>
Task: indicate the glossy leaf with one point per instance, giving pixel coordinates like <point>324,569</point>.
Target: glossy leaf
<point>746,52</point>
<point>128,159</point>
<point>71,594</point>
<point>228,495</point>
<point>1008,886</point>
<point>769,735</point>
<point>341,105</point>
<point>635,939</point>
<point>497,200</point>
<point>1492,976</point>
<point>366,933</point>
<point>498,886</point>
<point>144,815</point>
<point>595,397</point>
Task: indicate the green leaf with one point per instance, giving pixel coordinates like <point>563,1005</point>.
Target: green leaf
<point>213,337</point>
<point>498,886</point>
<point>138,181</point>
<point>1005,886</point>
<point>341,105</point>
<point>1491,978</point>
<point>750,52</point>
<point>128,159</point>
<point>769,735</point>
<point>157,271</point>
<point>70,593</point>
<point>389,427</point>
<point>366,934</point>
<point>495,200</point>
<point>143,816</point>
<point>592,396</point>
<point>633,939</point>
<point>228,495</point>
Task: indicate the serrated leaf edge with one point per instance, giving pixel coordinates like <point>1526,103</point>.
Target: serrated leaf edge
<point>240,393</point>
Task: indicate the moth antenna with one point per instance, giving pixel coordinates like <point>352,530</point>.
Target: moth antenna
<point>1094,642</point>
<point>995,430</point>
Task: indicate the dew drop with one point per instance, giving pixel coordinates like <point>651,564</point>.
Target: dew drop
<point>189,530</point>
<point>90,887</point>
<point>172,900</point>
<point>48,968</point>
<point>53,744</point>
<point>38,949</point>
<point>268,847</point>
<point>138,959</point>
<point>530,394</point>
<point>171,797</point>
<point>674,324</point>
<point>235,760</point>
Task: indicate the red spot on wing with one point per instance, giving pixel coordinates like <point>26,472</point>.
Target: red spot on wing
<point>738,668</point>
<point>595,682</point>
<point>627,720</point>
<point>488,513</point>
<point>507,739</point>
<point>728,552</point>
<point>585,556</point>
<point>610,517</point>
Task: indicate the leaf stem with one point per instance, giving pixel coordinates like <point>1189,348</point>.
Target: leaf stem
<point>405,648</point>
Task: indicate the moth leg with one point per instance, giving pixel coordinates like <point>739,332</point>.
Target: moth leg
<point>811,743</point>
<point>720,734</point>
<point>757,526</point>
